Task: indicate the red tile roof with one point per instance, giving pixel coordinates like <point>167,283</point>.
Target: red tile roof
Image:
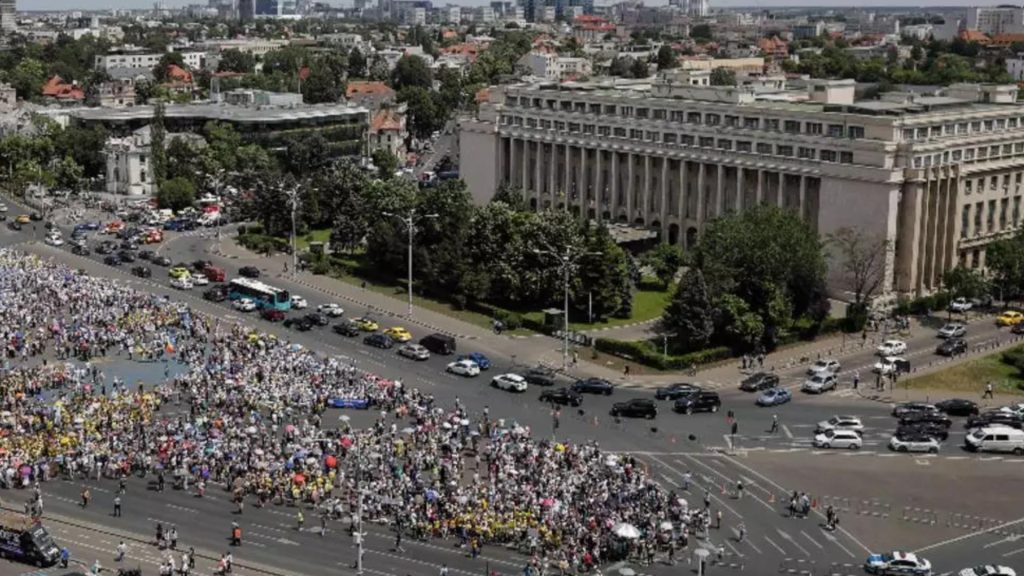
<point>177,74</point>
<point>368,88</point>
<point>386,119</point>
<point>976,36</point>
<point>56,88</point>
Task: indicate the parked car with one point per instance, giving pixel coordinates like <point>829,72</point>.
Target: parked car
<point>161,260</point>
<point>674,391</point>
<point>346,329</point>
<point>564,395</point>
<point>414,351</point>
<point>112,260</point>
<point>142,272</point>
<point>466,368</point>
<point>841,422</point>
<point>838,439</point>
<point>146,254</point>
<point>698,401</point>
<point>80,250</point>
<point>892,348</point>
<point>272,315</point>
<point>952,347</point>
<point>379,341</point>
<point>635,408</point>
<point>820,383</point>
<point>510,382</point>
<point>824,366</point>
<point>774,397</point>
<point>994,417</point>
<point>897,563</point>
<point>960,305</point>
<point>249,272</point>
<point>958,407</point>
<point>996,439</point>
<point>593,386</point>
<point>913,442</point>
<point>179,272</point>
<point>901,410</point>
<point>215,294</point>
<point>953,330</point>
<point>481,360</point>
<point>759,381</point>
<point>540,376</point>
<point>988,571</point>
<point>126,256</point>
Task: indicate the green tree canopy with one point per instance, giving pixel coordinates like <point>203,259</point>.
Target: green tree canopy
<point>411,71</point>
<point>176,193</point>
<point>234,60</point>
<point>689,315</point>
<point>723,77</point>
<point>666,58</point>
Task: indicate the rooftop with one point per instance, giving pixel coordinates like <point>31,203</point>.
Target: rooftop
<point>223,112</point>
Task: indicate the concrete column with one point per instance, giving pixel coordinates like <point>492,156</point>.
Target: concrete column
<point>663,208</point>
<point>760,186</point>
<point>701,215</point>
<point>553,175</point>
<point>584,185</point>
<point>567,175</point>
<point>802,210</point>
<point>631,180</point>
<point>683,196</point>
<point>739,188</point>
<point>538,174</point>
<point>646,201</point>
<point>613,191</point>
<point>942,228</point>
<point>526,166</point>
<point>720,190</point>
<point>598,186</point>
<point>780,197</point>
<point>512,165</point>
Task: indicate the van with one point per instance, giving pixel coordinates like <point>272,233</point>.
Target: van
<point>25,539</point>
<point>214,274</point>
<point>996,439</point>
<point>439,343</point>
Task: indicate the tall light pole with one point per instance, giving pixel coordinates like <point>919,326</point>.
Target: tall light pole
<point>293,199</point>
<point>410,226</point>
<point>567,262</point>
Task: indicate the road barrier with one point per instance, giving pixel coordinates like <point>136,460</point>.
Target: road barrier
<point>844,569</point>
<point>920,515</point>
<point>801,566</point>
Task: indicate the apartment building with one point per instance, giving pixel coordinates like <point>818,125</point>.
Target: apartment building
<point>937,176</point>
<point>133,59</point>
<point>994,20</point>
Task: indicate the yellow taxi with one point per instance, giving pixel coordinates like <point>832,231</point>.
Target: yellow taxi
<point>398,334</point>
<point>179,272</point>
<point>366,324</point>
<point>1009,318</point>
<point>23,219</point>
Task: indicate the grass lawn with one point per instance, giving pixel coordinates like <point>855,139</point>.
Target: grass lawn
<point>648,304</point>
<point>971,376</point>
<point>319,235</point>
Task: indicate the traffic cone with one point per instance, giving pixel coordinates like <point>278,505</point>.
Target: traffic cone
<point>673,440</point>
<point>771,497</point>
<point>723,487</point>
<point>814,503</point>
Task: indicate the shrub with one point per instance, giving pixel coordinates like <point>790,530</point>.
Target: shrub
<point>321,267</point>
<point>648,354</point>
<point>511,320</point>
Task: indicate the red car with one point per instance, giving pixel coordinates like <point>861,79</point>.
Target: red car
<point>272,315</point>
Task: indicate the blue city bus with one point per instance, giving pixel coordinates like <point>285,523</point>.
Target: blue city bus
<point>264,295</point>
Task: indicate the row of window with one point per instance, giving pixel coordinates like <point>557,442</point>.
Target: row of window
<point>962,128</point>
<point>969,155</point>
<point>693,117</point>
<point>994,183</point>
<point>985,213</point>
<point>763,148</point>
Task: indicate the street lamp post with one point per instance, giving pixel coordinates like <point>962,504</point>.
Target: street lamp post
<point>410,226</point>
<point>567,262</point>
<point>293,199</point>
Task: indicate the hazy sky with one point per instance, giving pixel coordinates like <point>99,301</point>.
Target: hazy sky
<point>101,4</point>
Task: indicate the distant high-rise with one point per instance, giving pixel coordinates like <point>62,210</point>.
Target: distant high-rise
<point>8,16</point>
<point>246,10</point>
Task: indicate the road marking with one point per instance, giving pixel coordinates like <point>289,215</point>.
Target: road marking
<point>813,541</point>
<point>1013,552</point>
<point>777,547</point>
<point>785,430</point>
<point>835,541</point>
<point>1011,538</point>
<point>756,549</point>
<point>922,462</point>
<point>713,497</point>
<point>748,493</point>
<point>788,538</point>
<point>969,535</point>
<point>183,508</point>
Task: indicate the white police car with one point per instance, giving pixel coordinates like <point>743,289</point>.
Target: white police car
<point>988,571</point>
<point>898,563</point>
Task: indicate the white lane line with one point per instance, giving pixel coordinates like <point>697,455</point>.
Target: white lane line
<point>1013,552</point>
<point>785,430</point>
<point>777,547</point>
<point>969,535</point>
<point>791,540</point>
<point>713,497</point>
<point>749,493</point>
<point>813,541</point>
<point>733,548</point>
<point>836,541</point>
<point>756,549</point>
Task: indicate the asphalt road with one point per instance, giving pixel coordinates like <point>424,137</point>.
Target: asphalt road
<point>769,465</point>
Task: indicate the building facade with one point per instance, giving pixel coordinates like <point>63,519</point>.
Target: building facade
<point>994,20</point>
<point>128,164</point>
<point>107,62</point>
<point>8,16</point>
<point>937,177</point>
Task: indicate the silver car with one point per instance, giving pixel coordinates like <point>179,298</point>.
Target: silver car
<point>414,351</point>
<point>819,383</point>
<point>824,366</point>
<point>953,330</point>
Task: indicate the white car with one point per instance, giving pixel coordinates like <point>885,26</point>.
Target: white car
<point>3,207</point>
<point>841,423</point>
<point>414,351</point>
<point>1017,409</point>
<point>332,310</point>
<point>838,439</point>
<point>54,241</point>
<point>824,366</point>
<point>892,348</point>
<point>510,382</point>
<point>200,280</point>
<point>245,305</point>
<point>890,364</point>
<point>819,383</point>
<point>182,283</point>
<point>298,302</point>
<point>953,330</point>
<point>960,305</point>
<point>988,571</point>
<point>898,563</point>
<point>914,443</point>
<point>464,368</point>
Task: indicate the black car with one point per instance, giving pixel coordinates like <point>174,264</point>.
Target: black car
<point>937,418</point>
<point>564,395</point>
<point>635,408</point>
<point>901,410</point>
<point>540,376</point>
<point>346,329</point>
<point>937,431</point>
<point>200,265</point>
<point>958,407</point>
<point>593,386</point>
<point>80,250</point>
<point>318,319</point>
<point>1018,328</point>
<point>14,225</point>
<point>126,256</point>
<point>699,401</point>
<point>161,260</point>
<point>379,341</point>
<point>142,272</point>
<point>759,381</point>
<point>105,248</point>
<point>995,417</point>
<point>302,324</point>
<point>112,260</point>
<point>129,245</point>
<point>674,391</point>
<point>36,217</point>
<point>952,347</point>
<point>249,272</point>
<point>215,294</point>
<point>146,254</point>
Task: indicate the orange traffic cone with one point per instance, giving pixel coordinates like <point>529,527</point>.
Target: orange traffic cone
<point>814,503</point>
<point>723,487</point>
<point>771,497</point>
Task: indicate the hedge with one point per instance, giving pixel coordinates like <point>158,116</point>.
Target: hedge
<point>644,353</point>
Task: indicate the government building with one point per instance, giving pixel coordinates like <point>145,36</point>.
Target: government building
<point>938,176</point>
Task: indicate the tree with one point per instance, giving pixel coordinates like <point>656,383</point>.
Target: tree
<point>322,86</point>
<point>622,66</point>
<point>69,175</point>
<point>386,163</point>
<point>425,114</point>
<point>346,202</point>
<point>723,77</point>
<point>234,60</point>
<point>176,193</point>
<point>689,315</point>
<point>701,33</point>
<point>158,150</point>
<point>28,78</point>
<point>602,283</point>
<point>1005,261</point>
<point>861,259</point>
<point>639,69</point>
<point>510,195</point>
<point>307,152</point>
<point>963,282</point>
<point>665,260</point>
<point>411,72</point>
<point>666,58</point>
<point>356,64</point>
<point>168,59</point>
